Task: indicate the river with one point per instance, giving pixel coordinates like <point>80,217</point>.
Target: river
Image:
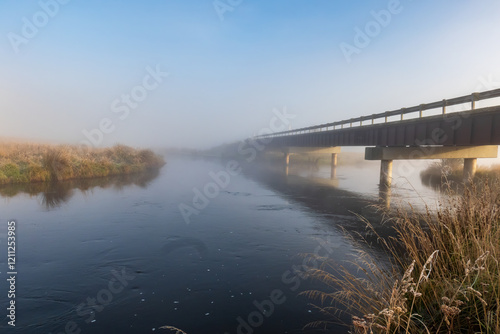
<point>133,254</point>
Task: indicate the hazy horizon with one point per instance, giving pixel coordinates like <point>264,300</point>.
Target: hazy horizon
<point>197,225</point>
<point>71,67</point>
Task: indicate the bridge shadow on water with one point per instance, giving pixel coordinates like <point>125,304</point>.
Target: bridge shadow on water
<point>339,211</point>
<point>338,208</point>
<point>55,194</point>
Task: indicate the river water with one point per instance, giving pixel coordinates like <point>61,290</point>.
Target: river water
<point>120,256</point>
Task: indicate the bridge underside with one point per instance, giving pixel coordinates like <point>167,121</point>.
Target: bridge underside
<point>470,154</point>
<point>386,155</point>
<point>469,135</point>
<point>287,151</point>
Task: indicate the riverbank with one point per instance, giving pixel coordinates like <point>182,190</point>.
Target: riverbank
<point>445,276</point>
<point>30,162</point>
<point>451,170</point>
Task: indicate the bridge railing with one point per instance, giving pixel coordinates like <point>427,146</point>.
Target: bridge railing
<point>472,99</point>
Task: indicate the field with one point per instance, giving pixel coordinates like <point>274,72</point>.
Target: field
<point>29,162</point>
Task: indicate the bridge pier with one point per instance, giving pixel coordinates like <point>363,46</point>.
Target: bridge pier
<point>287,162</point>
<point>333,173</point>
<point>470,166</point>
<point>470,154</point>
<point>334,151</point>
<point>384,195</point>
<point>386,173</point>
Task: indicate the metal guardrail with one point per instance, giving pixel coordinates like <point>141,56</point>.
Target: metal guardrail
<point>472,99</point>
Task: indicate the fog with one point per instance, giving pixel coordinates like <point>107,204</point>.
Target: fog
<point>201,232</point>
<point>201,73</point>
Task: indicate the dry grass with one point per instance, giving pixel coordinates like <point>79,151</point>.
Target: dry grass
<point>173,329</point>
<point>445,276</point>
<point>488,173</point>
<point>26,162</point>
<point>451,170</point>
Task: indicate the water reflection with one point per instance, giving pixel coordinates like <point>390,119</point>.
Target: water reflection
<point>54,194</point>
<point>441,183</point>
<point>324,197</point>
<point>333,172</point>
<point>199,277</point>
<point>302,184</point>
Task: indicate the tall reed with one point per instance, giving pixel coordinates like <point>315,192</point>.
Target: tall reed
<point>444,277</point>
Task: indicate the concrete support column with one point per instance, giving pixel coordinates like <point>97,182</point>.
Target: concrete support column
<point>334,166</point>
<point>384,194</point>
<point>287,162</point>
<point>386,173</point>
<point>470,166</point>
<point>470,154</point>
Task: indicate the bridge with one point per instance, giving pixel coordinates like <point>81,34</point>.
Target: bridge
<point>426,131</point>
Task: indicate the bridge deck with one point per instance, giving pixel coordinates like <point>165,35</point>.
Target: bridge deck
<point>467,128</point>
<point>474,127</point>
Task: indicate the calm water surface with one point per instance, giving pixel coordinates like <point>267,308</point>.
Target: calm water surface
<point>116,256</point>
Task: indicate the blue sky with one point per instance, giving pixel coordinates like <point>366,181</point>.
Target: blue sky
<point>226,76</point>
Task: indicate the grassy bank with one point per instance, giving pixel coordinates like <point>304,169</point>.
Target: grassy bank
<point>451,170</point>
<point>445,276</point>
<point>25,162</point>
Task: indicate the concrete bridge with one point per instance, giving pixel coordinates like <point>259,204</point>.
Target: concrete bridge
<point>405,134</point>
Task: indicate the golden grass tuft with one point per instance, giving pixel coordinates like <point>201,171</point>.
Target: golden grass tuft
<point>445,276</point>
<point>439,174</point>
<point>173,329</point>
<point>28,162</point>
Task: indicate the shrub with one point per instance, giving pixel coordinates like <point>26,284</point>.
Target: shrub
<point>3,178</point>
<point>38,163</point>
<point>36,173</point>
<point>13,173</point>
<point>150,159</point>
<point>58,163</point>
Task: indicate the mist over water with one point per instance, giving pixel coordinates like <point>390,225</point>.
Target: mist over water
<point>209,244</point>
<point>117,255</point>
